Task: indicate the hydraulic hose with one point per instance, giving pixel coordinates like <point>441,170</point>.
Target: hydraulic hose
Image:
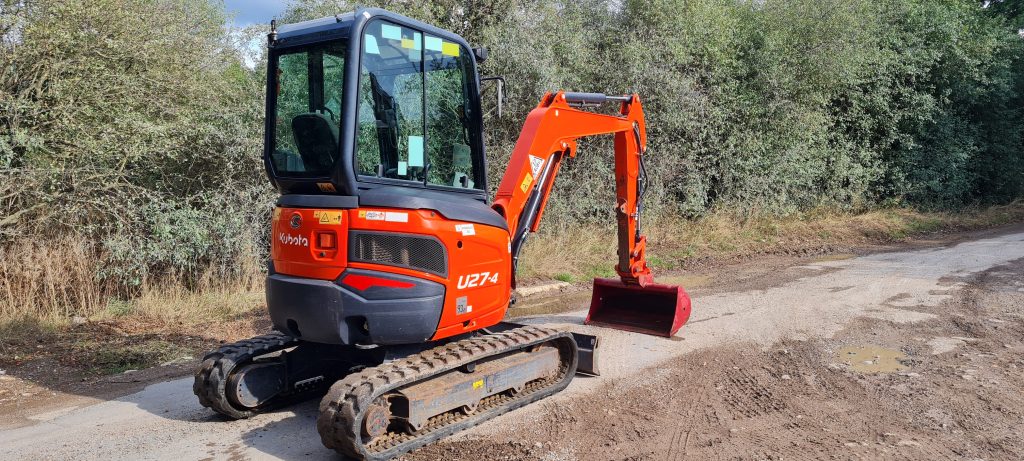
<point>529,214</point>
<point>641,180</point>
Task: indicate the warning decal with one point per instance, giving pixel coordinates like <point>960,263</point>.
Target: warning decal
<point>328,217</point>
<point>535,165</point>
<point>389,216</point>
<point>526,182</point>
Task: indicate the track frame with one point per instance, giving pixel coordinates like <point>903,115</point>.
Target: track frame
<point>346,405</point>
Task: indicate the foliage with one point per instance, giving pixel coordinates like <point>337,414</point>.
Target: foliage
<point>135,124</point>
<point>770,106</point>
<point>131,123</point>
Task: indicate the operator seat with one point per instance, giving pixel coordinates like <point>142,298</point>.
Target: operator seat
<point>316,138</point>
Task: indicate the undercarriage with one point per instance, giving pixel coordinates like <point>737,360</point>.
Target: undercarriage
<point>384,401</point>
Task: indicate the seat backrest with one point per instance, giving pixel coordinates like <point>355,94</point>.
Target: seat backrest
<point>316,137</point>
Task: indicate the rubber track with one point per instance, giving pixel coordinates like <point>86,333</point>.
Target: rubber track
<point>211,379</point>
<point>342,409</point>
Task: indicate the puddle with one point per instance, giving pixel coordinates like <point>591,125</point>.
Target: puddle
<point>553,305</point>
<point>872,359</point>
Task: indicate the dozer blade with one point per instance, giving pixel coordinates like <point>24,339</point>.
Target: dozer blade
<point>653,309</point>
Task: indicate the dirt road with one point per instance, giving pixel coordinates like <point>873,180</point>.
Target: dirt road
<point>899,355</point>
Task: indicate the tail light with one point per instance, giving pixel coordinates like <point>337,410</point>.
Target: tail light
<point>326,240</point>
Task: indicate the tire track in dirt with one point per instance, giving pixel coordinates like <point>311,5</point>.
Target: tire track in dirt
<point>679,444</point>
<point>799,400</point>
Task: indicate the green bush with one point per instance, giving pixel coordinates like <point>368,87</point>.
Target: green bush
<point>134,125</point>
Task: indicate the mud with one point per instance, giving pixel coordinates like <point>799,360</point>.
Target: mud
<point>813,399</point>
<point>872,359</point>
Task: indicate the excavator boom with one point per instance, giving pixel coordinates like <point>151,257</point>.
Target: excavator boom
<point>549,136</point>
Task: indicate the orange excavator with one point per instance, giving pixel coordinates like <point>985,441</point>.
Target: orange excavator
<point>391,270</point>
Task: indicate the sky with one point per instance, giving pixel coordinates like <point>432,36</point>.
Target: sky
<point>248,12</point>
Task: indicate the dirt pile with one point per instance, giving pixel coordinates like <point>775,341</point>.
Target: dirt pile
<point>947,388</point>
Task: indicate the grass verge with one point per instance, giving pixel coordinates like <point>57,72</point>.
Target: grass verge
<point>51,295</point>
<point>588,252</point>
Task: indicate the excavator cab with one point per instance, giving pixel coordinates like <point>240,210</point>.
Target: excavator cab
<point>374,139</point>
<point>373,100</point>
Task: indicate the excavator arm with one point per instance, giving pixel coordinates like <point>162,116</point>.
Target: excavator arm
<point>549,136</point>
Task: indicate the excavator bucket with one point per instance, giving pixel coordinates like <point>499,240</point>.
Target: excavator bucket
<point>653,309</point>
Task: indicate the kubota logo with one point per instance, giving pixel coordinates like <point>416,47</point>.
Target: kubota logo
<point>289,239</point>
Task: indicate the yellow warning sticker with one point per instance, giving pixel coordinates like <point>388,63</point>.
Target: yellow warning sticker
<point>450,49</point>
<point>328,217</point>
<point>478,384</point>
<point>362,214</point>
<point>277,214</point>
<point>407,43</point>
<point>526,182</point>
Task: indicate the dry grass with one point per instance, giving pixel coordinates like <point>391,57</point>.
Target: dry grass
<point>48,282</point>
<point>172,302</point>
<point>584,253</point>
<point>44,286</point>
<point>213,311</point>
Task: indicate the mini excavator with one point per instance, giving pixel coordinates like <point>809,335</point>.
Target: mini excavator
<point>391,270</point>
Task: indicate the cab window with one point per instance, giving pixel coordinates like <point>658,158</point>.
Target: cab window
<point>414,118</point>
<point>449,114</point>
<point>308,87</point>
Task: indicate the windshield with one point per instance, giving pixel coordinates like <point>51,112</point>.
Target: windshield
<point>415,118</point>
<point>308,88</point>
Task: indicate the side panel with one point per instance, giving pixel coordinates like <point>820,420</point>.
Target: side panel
<point>296,246</point>
<point>479,265</point>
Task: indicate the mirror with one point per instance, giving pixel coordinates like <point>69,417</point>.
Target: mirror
<point>500,82</point>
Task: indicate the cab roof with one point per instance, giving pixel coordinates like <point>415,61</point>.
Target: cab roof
<point>340,25</point>
<point>324,24</point>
